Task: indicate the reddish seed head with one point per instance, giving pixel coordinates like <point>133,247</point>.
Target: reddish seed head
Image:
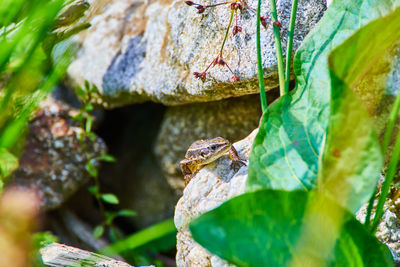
<point>277,24</point>
<point>235,6</point>
<point>220,62</point>
<point>236,29</point>
<point>235,78</point>
<point>189,3</point>
<point>200,9</point>
<point>264,21</point>
<point>201,76</point>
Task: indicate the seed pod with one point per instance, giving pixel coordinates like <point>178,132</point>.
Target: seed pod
<point>201,76</point>
<point>220,62</point>
<point>235,6</point>
<point>236,29</point>
<point>235,78</point>
<point>277,24</point>
<point>189,3</point>
<point>264,21</point>
<point>200,9</point>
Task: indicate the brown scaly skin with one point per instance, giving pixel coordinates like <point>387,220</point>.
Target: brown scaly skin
<point>203,152</point>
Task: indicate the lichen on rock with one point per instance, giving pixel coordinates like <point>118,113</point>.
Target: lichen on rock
<point>53,161</point>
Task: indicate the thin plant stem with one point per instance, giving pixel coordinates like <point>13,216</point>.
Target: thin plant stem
<point>394,160</point>
<point>385,145</point>
<point>290,45</point>
<point>279,57</point>
<point>369,208</point>
<point>263,96</point>
<point>227,32</point>
<point>390,125</point>
<point>219,4</point>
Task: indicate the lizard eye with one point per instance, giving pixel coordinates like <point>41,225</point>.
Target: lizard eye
<point>213,147</point>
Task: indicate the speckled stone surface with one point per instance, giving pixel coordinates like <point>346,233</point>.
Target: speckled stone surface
<point>388,231</point>
<point>53,161</point>
<point>149,50</point>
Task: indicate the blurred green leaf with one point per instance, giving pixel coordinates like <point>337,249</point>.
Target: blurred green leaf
<point>93,189</point>
<point>92,136</point>
<point>98,231</point>
<point>42,239</point>
<point>110,198</point>
<point>106,157</point>
<point>88,124</point>
<point>80,92</point>
<point>88,107</point>
<point>91,169</point>
<point>126,213</point>
<point>87,86</point>
<point>352,159</point>
<point>27,73</point>
<point>287,149</point>
<point>8,163</point>
<point>78,117</point>
<point>280,228</point>
<point>159,235</point>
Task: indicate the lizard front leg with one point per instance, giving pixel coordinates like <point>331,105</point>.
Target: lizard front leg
<point>187,173</point>
<point>237,162</point>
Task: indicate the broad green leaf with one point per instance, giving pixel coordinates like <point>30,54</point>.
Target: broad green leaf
<point>287,149</point>
<point>110,198</point>
<point>352,158</point>
<point>98,231</point>
<point>280,228</point>
<point>8,163</point>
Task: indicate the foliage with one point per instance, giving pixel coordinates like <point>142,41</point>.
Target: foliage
<point>27,70</point>
<point>158,237</point>
<point>319,141</point>
<point>29,30</point>
<point>86,119</point>
<point>8,164</point>
<point>287,150</point>
<point>277,228</point>
<point>42,239</point>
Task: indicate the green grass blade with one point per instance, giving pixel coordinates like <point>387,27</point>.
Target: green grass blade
<point>263,97</point>
<point>141,238</point>
<point>290,44</point>
<point>278,47</point>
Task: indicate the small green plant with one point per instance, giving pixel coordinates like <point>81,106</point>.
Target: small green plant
<point>86,119</point>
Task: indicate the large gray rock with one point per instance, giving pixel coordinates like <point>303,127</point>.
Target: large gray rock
<point>53,161</point>
<point>137,51</point>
